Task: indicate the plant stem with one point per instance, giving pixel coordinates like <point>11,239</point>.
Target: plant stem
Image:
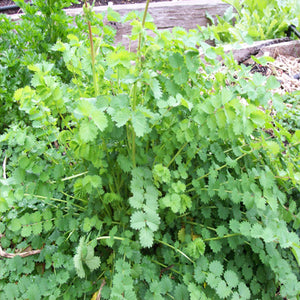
<point>55,199</point>
<point>222,237</point>
<point>133,148</point>
<point>218,169</point>
<point>172,247</point>
<point>74,176</point>
<point>133,132</point>
<point>178,152</point>
<point>92,55</point>
<point>166,267</point>
<point>106,237</point>
<point>143,24</point>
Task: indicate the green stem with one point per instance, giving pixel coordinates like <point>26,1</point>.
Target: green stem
<point>134,96</point>
<point>201,225</point>
<point>133,148</point>
<point>55,199</point>
<point>93,56</point>
<point>74,176</point>
<point>223,237</point>
<point>166,267</point>
<point>178,152</point>
<point>143,25</point>
<point>177,250</point>
<point>218,169</point>
<point>79,199</point>
<point>106,237</point>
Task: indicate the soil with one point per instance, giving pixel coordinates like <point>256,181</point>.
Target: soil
<point>97,3</point>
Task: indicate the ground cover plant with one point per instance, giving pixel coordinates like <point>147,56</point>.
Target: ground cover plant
<point>250,20</point>
<point>157,174</point>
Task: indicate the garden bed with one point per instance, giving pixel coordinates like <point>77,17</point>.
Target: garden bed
<point>286,64</point>
<point>16,10</point>
<point>166,15</point>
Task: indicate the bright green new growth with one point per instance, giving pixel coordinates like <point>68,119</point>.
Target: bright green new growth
<point>175,180</point>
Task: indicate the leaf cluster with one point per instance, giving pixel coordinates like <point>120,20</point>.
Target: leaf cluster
<point>250,20</point>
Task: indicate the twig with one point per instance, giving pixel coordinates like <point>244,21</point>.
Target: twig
<point>164,270</point>
<point>4,167</point>
<point>22,254</point>
<point>101,287</point>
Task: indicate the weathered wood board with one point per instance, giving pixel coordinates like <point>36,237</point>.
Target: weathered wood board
<point>291,48</point>
<point>283,46</point>
<point>166,15</point>
<point>186,13</point>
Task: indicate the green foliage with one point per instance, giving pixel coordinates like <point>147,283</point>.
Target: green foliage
<point>85,255</point>
<point>250,20</point>
<point>176,181</point>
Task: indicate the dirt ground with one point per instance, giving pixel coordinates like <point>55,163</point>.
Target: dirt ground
<point>97,3</point>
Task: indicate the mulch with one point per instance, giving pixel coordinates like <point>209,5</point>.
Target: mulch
<point>97,3</point>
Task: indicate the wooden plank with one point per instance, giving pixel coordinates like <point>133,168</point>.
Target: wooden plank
<point>166,15</point>
<point>291,48</point>
<point>186,14</point>
<point>243,52</point>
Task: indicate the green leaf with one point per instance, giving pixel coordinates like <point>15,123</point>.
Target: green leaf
<point>85,107</point>
<point>196,248</point>
<point>58,259</point>
<point>85,254</point>
<point>273,147</point>
<point>93,262</point>
<point>192,60</point>
<point>124,162</point>
<point>99,119</point>
<point>155,87</point>
<point>244,291</point>
<point>161,173</point>
<point>226,95</point>
<point>3,205</point>
<point>146,237</point>
<point>272,83</point>
<point>182,76</point>
<point>181,292</point>
<point>231,278</point>
<point>139,123</point>
<point>176,60</point>
<point>138,220</point>
<point>216,268</point>
<point>15,225</point>
<point>166,284</point>
<point>78,265</point>
<point>121,57</point>
<point>87,131</point>
<point>86,226</point>
<point>258,117</point>
<point>11,290</point>
<point>26,231</point>
<point>48,225</point>
<point>122,116</point>
<point>296,251</point>
<point>152,219</point>
<point>37,228</point>
<point>223,290</point>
